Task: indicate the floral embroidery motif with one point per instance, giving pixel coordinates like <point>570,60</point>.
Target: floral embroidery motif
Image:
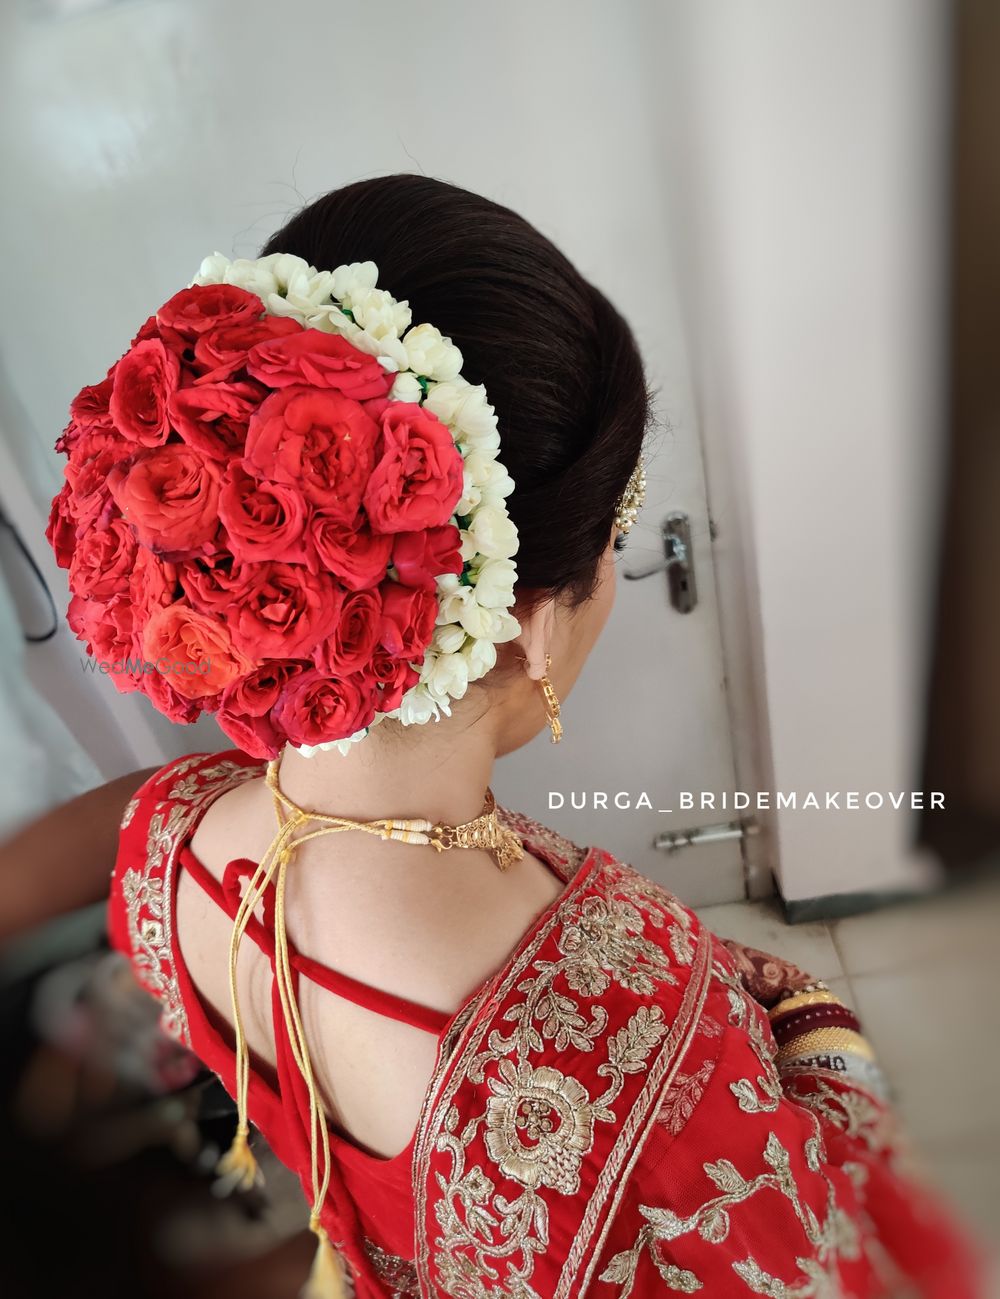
<point>852,1111</point>
<point>131,807</point>
<point>537,1121</point>
<point>836,1237</point>
<point>745,1014</point>
<point>146,889</point>
<point>540,1124</point>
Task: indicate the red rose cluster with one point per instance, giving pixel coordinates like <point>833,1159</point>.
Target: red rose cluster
<point>241,492</point>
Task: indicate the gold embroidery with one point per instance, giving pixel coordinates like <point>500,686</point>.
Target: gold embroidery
<point>554,1114</point>
<point>399,1274</point>
<point>747,1015</point>
<point>683,1096</point>
<point>147,890</point>
<point>130,810</point>
<point>564,855</point>
<point>848,1109</point>
<point>835,1238</point>
<point>540,1122</point>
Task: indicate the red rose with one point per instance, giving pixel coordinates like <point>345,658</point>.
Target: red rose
<point>285,612</point>
<point>262,520</point>
<point>194,649</point>
<point>321,361</point>
<point>102,562</point>
<point>418,479</point>
<point>355,635</point>
<point>171,497</point>
<point>257,736</point>
<point>316,440</point>
<point>213,417</point>
<point>245,711</point>
<point>315,709</point>
<point>146,330</point>
<point>91,461</point>
<point>421,557</point>
<point>394,675</point>
<point>61,530</point>
<point>144,379</point>
<point>153,584</point>
<point>216,584</point>
<point>107,629</point>
<point>90,408</point>
<point>223,350</point>
<point>165,699</point>
<point>408,617</point>
<point>193,312</point>
<point>354,554</point>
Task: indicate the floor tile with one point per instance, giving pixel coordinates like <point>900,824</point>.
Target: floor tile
<point>763,925</point>
<point>939,1044</point>
<point>931,929</point>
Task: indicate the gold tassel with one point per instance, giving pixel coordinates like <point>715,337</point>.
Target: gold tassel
<point>326,1278</point>
<point>238,1169</point>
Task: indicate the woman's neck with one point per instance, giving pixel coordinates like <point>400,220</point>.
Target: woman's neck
<point>438,771</point>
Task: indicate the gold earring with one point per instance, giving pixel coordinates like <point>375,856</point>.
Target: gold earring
<point>551,703</point>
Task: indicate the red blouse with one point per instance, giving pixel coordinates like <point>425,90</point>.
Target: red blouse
<point>371,1202</point>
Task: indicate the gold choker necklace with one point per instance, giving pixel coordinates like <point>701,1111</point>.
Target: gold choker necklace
<point>238,1166</point>
<point>484,832</point>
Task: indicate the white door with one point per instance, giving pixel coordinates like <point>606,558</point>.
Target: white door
<point>137,137</point>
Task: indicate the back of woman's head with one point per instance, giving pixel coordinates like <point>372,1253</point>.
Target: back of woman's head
<point>559,363</point>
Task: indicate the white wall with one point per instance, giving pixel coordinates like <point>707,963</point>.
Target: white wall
<point>808,178</point>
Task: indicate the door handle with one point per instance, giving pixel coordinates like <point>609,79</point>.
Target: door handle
<point>677,563</point>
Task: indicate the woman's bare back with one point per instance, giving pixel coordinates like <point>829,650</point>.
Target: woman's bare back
<point>427,926</point>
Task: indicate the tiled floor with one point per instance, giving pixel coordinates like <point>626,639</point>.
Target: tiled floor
<point>924,979</point>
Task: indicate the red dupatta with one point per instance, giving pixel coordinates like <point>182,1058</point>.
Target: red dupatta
<point>612,1124</point>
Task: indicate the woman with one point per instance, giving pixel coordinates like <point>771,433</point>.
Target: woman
<point>500,1063</point>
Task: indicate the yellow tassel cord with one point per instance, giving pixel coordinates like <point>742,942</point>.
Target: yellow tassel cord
<point>238,1168</point>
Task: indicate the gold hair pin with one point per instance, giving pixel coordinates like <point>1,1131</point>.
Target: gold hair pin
<point>631,500</point>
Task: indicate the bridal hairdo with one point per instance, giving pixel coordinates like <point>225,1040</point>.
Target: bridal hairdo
<point>300,499</point>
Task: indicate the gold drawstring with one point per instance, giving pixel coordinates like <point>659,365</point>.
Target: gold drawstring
<point>238,1167</point>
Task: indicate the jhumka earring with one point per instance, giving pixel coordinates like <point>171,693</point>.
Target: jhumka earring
<point>551,703</point>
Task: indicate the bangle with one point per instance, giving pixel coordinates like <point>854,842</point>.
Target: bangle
<point>825,1041</point>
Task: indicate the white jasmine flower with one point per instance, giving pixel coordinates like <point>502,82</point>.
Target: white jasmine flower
<point>481,657</point>
<point>429,353</point>
<point>406,388</point>
<point>493,532</point>
<point>354,281</point>
<point>448,639</point>
<point>449,677</point>
<point>380,315</point>
<point>417,707</point>
<point>494,586</point>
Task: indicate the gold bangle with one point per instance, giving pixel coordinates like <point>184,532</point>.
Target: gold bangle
<point>800,1000</point>
<point>826,1041</point>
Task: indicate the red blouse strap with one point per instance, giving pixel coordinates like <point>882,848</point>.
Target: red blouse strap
<point>226,894</point>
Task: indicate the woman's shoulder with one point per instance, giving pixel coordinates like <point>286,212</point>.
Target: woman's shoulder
<point>192,779</point>
<point>157,821</point>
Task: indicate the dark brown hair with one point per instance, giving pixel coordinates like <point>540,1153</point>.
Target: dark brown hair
<point>560,364</point>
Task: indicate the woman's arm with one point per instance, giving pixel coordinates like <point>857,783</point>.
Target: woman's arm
<point>64,859</point>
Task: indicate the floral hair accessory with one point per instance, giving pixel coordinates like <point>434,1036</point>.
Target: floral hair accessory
<point>283,506</point>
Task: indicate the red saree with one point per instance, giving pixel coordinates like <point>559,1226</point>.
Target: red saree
<point>606,1117</point>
